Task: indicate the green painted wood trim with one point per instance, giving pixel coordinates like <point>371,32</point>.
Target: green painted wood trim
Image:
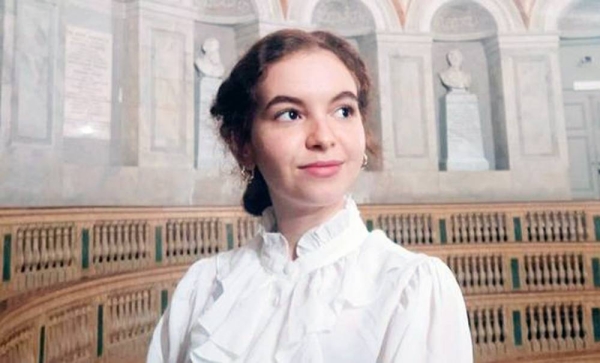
<point>518,230</point>
<point>6,257</point>
<point>596,271</point>
<point>100,340</point>
<point>514,269</point>
<point>164,300</point>
<point>597,227</point>
<point>85,248</point>
<point>229,229</point>
<point>443,235</point>
<point>369,225</point>
<point>596,323</point>
<point>158,244</point>
<point>42,351</point>
<point>517,328</point>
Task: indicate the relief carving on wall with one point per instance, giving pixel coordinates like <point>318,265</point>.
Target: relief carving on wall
<point>225,7</point>
<point>342,14</point>
<point>463,18</point>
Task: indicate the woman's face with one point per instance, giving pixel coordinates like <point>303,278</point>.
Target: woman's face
<point>308,138</point>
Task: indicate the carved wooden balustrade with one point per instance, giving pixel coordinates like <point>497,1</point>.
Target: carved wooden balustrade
<point>89,284</point>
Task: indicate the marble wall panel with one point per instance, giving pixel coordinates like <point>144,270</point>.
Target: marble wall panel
<point>534,104</point>
<point>581,171</point>
<point>33,96</point>
<point>168,115</point>
<point>409,122</point>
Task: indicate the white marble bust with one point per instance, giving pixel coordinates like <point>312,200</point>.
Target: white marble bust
<point>210,64</point>
<point>455,78</point>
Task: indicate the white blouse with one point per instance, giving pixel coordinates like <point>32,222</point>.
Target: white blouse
<point>350,296</point>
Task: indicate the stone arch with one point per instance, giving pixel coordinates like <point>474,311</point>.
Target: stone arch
<point>546,14</point>
<point>268,10</point>
<point>508,19</point>
<point>383,13</point>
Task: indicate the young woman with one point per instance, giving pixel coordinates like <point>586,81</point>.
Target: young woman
<point>314,285</point>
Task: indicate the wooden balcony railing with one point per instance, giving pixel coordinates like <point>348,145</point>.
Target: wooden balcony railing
<point>76,284</point>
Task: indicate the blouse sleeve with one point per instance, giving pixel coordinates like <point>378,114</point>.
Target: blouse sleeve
<point>169,339</point>
<point>430,322</point>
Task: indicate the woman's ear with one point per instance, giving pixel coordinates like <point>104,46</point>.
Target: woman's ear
<point>246,156</point>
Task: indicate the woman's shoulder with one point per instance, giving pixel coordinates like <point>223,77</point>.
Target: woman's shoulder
<point>395,260</point>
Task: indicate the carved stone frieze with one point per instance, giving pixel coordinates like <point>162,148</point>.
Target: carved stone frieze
<point>342,14</point>
<point>225,7</point>
<point>463,18</point>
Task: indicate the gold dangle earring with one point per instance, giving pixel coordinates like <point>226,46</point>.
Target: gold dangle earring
<point>247,174</point>
<point>365,161</point>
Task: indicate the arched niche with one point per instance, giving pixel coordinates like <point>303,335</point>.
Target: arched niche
<point>381,13</point>
<point>353,20</point>
<point>579,28</point>
<point>506,15</point>
<point>469,27</point>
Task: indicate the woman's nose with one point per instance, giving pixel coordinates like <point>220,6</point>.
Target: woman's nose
<point>320,135</point>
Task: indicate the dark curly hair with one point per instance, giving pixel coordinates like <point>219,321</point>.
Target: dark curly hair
<point>236,102</point>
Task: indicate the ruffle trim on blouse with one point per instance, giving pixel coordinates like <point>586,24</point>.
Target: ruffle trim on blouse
<point>333,278</point>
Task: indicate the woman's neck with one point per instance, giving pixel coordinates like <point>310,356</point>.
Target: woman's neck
<point>294,221</point>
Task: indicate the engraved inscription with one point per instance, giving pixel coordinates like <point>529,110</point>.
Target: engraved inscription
<point>88,70</point>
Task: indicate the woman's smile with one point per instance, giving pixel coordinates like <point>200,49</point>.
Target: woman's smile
<point>322,169</point>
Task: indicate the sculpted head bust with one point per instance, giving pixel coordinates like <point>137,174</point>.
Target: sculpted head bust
<point>454,78</point>
<point>210,64</point>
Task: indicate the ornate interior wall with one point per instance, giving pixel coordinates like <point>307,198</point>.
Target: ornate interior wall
<point>102,102</point>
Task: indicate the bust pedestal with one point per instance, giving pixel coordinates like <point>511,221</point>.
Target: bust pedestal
<point>209,153</point>
<point>464,138</point>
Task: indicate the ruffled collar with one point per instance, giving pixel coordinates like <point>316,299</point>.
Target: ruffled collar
<point>315,287</point>
<point>274,251</point>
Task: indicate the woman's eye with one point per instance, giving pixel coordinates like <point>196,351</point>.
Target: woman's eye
<point>344,112</point>
<point>288,115</point>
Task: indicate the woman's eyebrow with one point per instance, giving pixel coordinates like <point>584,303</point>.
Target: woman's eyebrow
<point>344,94</point>
<point>283,99</point>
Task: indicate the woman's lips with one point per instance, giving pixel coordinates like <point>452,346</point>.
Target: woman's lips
<point>322,169</point>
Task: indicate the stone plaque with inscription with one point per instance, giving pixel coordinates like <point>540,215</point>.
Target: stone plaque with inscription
<point>465,141</point>
<point>88,86</point>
